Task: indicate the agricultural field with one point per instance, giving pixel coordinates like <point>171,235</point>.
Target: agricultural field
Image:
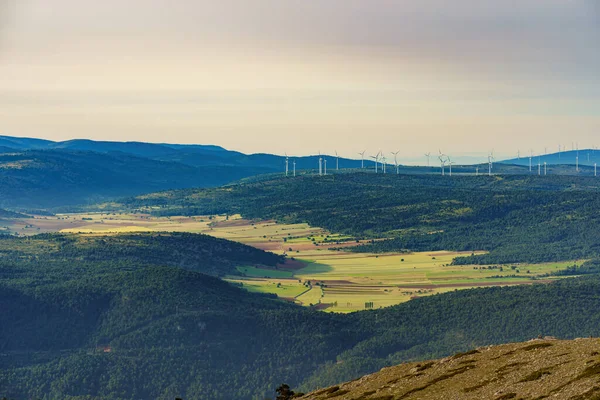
<point>346,282</point>
<point>267,235</point>
<point>105,223</point>
<point>318,272</point>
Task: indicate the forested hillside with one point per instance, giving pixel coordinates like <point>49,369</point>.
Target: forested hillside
<point>106,317</point>
<point>11,214</point>
<point>93,317</point>
<point>52,178</point>
<point>516,218</point>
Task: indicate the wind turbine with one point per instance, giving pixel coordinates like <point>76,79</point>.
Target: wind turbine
<point>287,164</point>
<point>396,161</point>
<point>362,155</point>
<point>450,163</point>
<point>530,160</point>
<point>376,159</point>
<point>337,161</point>
<point>442,162</point>
<point>325,166</point>
<point>384,162</point>
<point>320,164</point>
<point>559,147</point>
<point>518,154</point>
<point>428,155</point>
<point>490,163</point>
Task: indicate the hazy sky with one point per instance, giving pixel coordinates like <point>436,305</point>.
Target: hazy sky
<point>301,76</point>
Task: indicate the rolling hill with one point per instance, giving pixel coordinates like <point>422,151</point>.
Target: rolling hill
<point>516,218</point>
<point>585,157</point>
<point>192,155</point>
<point>137,316</point>
<point>43,174</point>
<point>532,370</point>
<point>56,178</point>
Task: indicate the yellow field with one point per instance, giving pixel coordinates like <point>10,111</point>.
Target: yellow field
<point>330,279</point>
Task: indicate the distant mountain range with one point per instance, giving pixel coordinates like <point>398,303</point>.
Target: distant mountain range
<point>192,155</point>
<point>41,174</point>
<point>38,173</point>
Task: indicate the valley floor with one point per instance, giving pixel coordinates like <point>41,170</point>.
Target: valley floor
<point>318,272</point>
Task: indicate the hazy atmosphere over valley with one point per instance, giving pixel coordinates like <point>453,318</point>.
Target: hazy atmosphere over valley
<point>298,77</point>
<point>292,199</point>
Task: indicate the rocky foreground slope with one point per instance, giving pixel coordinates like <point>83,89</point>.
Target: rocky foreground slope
<point>538,369</point>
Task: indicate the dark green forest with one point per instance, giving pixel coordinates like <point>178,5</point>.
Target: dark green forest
<point>123,317</point>
<point>45,179</point>
<point>515,218</point>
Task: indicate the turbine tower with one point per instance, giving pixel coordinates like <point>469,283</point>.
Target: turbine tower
<point>442,162</point>
<point>375,158</point>
<point>325,166</point>
<point>337,161</point>
<point>396,161</point>
<point>545,168</point>
<point>362,156</point>
<point>383,163</point>
<point>294,163</point>
<point>577,162</point>
<point>450,163</point>
<point>428,155</point>
<point>287,164</point>
<point>490,163</point>
<point>320,164</point>
<point>530,160</point>
<point>559,148</point>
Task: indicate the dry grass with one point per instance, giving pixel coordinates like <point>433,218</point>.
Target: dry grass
<point>512,371</point>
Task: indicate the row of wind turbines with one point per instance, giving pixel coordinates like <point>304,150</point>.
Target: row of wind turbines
<point>379,159</point>
<point>381,164</point>
<point>561,149</point>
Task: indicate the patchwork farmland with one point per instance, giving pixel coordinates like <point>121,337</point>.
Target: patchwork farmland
<point>318,272</point>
